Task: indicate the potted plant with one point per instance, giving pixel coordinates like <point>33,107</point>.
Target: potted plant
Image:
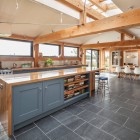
<point>49,62</point>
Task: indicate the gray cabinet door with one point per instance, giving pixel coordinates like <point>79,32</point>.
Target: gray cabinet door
<point>27,102</point>
<point>53,94</point>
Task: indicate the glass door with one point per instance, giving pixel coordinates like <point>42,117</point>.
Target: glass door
<point>92,58</point>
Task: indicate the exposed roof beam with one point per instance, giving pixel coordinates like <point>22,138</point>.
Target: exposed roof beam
<point>97,3</point>
<point>79,6</point>
<point>113,44</point>
<point>20,37</point>
<point>124,48</point>
<point>98,26</point>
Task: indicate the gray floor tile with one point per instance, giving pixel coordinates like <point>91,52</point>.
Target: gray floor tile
<point>33,134</point>
<point>23,129</point>
<point>89,132</point>
<point>111,127</point>
<point>99,121</point>
<point>113,116</point>
<point>5,137</point>
<point>126,134</point>
<point>125,105</point>
<point>133,102</point>
<point>131,114</point>
<point>63,133</point>
<point>62,115</point>
<point>133,124</point>
<point>119,131</point>
<point>87,115</point>
<point>93,108</point>
<point>117,98</point>
<point>107,105</point>
<point>73,122</point>
<point>47,124</point>
<point>137,109</point>
<point>74,109</point>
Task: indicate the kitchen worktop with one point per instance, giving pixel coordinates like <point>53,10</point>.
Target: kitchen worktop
<point>50,67</point>
<point>16,79</point>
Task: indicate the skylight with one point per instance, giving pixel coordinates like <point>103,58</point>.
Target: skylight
<point>111,8</point>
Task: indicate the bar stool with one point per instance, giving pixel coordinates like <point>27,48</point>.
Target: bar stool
<point>103,85</point>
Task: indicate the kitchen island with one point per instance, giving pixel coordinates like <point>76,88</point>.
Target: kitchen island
<point>27,97</point>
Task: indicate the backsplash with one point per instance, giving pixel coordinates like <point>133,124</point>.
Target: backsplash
<point>9,64</point>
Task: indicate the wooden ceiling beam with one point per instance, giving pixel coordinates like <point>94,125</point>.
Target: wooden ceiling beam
<point>122,49</point>
<point>107,24</point>
<point>113,44</point>
<point>97,3</point>
<point>20,37</point>
<point>79,6</point>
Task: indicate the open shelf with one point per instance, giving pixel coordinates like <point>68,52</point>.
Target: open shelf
<point>75,89</point>
<point>77,81</point>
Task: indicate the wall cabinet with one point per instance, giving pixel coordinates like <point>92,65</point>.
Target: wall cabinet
<point>27,102</point>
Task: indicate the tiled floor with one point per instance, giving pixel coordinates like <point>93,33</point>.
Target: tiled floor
<point>97,118</point>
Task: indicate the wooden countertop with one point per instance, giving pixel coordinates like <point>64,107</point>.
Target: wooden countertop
<point>18,79</point>
<point>50,67</point>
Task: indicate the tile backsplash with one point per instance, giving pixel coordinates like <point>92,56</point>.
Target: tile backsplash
<point>9,64</point>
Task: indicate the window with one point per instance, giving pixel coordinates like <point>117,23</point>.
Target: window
<point>15,48</point>
<point>92,58</point>
<point>71,51</point>
<point>49,50</point>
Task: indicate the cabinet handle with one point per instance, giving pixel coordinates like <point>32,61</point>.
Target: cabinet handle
<point>46,87</point>
<point>1,86</point>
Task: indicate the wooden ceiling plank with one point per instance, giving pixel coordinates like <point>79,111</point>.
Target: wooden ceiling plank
<point>124,43</point>
<point>107,24</point>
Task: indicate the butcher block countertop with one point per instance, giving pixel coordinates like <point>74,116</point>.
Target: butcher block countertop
<point>18,79</point>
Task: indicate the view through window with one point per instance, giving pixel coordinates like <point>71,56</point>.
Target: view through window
<point>92,58</point>
<point>71,51</point>
<point>15,48</point>
<point>49,50</point>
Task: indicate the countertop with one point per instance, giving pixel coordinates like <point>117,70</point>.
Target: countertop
<point>17,79</point>
<point>50,67</point>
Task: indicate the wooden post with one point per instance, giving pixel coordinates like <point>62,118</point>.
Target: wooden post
<point>83,16</point>
<point>83,56</point>
<point>35,54</point>
<point>138,57</point>
<point>102,60</point>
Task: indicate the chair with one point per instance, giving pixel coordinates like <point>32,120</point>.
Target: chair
<point>136,73</point>
<point>119,71</point>
<point>127,72</point>
<point>103,85</point>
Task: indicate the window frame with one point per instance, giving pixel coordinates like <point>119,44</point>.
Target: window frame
<point>59,51</point>
<point>18,40</point>
<point>72,56</point>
